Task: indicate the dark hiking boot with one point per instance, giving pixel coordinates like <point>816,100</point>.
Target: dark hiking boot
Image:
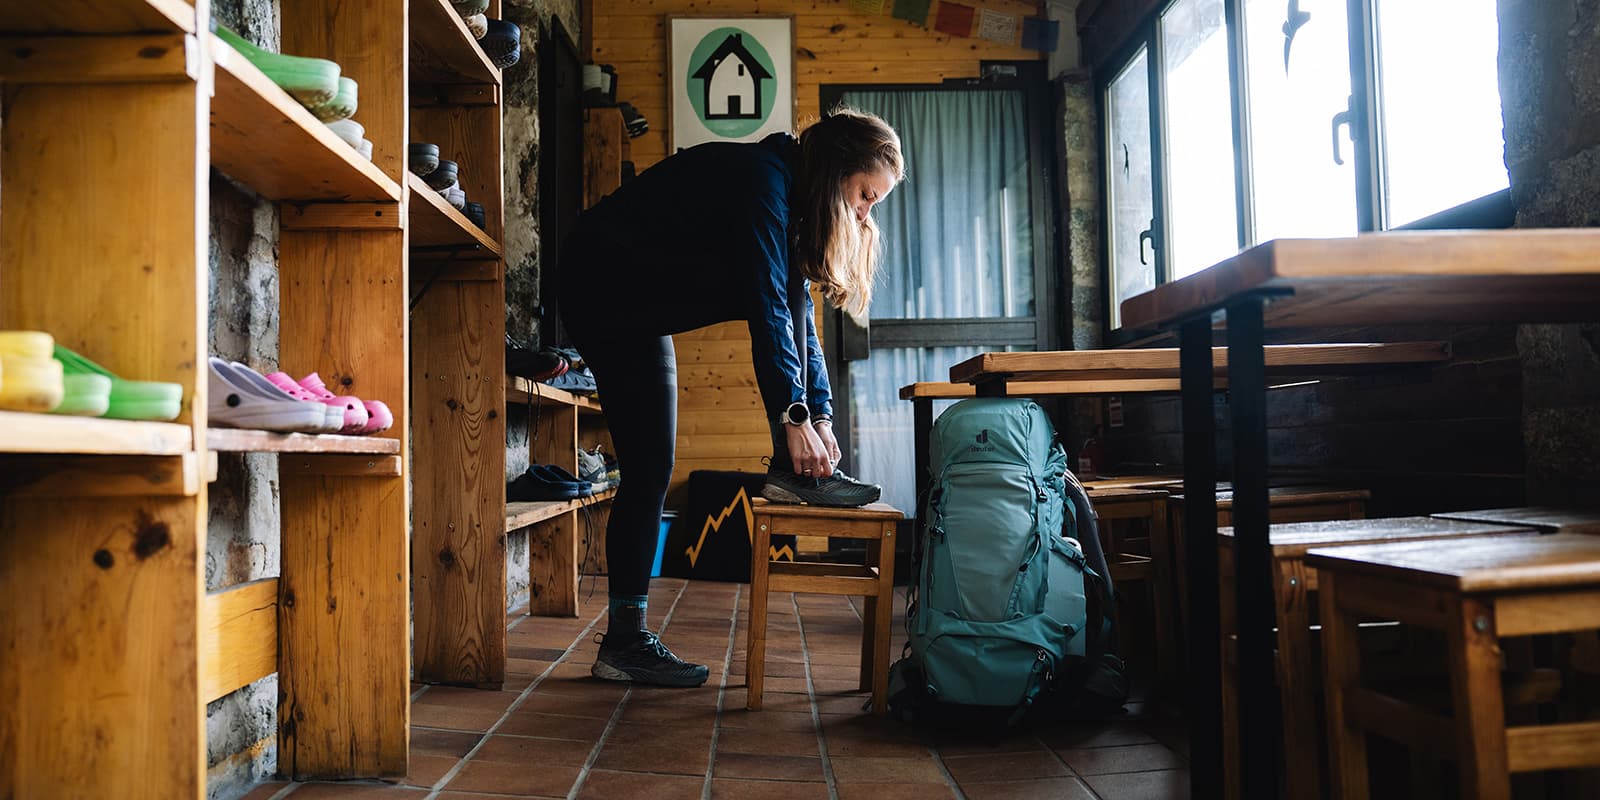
<point>644,659</point>
<point>837,490</point>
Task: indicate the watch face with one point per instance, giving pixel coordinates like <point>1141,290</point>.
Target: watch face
<point>796,414</point>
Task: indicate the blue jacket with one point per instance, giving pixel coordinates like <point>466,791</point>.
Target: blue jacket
<point>697,239</point>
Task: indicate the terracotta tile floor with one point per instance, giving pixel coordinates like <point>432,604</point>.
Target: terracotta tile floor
<point>555,732</point>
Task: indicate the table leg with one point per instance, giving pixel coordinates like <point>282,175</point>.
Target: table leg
<point>921,429</point>
<point>1247,392</point>
<point>755,662</point>
<point>1480,720</point>
<point>1200,541</point>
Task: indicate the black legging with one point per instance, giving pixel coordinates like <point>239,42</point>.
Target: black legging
<point>638,382</point>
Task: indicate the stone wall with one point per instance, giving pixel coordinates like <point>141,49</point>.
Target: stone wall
<point>1550,90</point>
<point>523,264</point>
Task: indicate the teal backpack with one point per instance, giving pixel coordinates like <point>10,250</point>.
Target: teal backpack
<point>1004,607</point>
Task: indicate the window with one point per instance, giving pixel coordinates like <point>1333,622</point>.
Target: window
<point>1443,141</point>
<point>1129,198</point>
<point>1349,115</point>
<point>1203,227</point>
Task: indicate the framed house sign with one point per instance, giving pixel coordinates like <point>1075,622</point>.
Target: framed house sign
<point>730,79</point>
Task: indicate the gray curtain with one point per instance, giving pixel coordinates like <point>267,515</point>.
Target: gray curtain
<point>957,244</point>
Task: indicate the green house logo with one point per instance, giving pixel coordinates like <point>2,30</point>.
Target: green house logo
<point>730,83</point>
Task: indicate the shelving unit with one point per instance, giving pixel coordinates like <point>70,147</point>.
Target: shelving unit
<point>457,360</point>
<point>564,539</point>
<point>116,112</point>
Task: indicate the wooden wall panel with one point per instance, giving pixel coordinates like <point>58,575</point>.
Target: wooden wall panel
<point>833,45</point>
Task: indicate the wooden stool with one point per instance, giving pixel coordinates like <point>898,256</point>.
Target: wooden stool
<point>1298,675</point>
<point>1477,591</point>
<point>874,581</point>
<point>1117,503</point>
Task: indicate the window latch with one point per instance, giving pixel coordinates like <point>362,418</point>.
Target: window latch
<point>1343,118</point>
<point>1147,235</point>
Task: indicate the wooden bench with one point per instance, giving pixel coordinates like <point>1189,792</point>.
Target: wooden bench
<point>1293,582</point>
<point>874,580</point>
<point>1477,592</point>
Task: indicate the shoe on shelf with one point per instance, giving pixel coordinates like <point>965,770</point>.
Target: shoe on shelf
<point>442,176</point>
<point>27,344</point>
<point>454,195</point>
<point>333,415</point>
<point>350,131</point>
<point>592,469</point>
<point>422,158</point>
<point>342,106</point>
<point>379,417</point>
<point>477,25</point>
<point>30,384</point>
<point>538,365</point>
<point>312,81</point>
<point>238,400</point>
<point>503,43</point>
<point>476,215</point>
<point>467,8</point>
<point>643,659</point>
<point>577,380</point>
<point>836,491</point>
<point>537,484</point>
<point>365,149</point>
<point>141,400</point>
<point>554,473</point>
<point>355,412</point>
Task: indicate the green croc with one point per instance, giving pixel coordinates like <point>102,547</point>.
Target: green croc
<point>87,395</point>
<point>342,106</point>
<point>147,400</point>
<point>312,81</point>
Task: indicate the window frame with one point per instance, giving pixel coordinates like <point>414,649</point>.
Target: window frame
<point>1364,138</point>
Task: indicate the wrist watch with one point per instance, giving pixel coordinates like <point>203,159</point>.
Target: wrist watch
<point>795,414</point>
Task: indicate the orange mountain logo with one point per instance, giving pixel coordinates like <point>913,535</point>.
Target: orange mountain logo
<point>741,501</point>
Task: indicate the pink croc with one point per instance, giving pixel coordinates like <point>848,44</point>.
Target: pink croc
<point>355,414</point>
<point>334,418</point>
<point>379,417</point>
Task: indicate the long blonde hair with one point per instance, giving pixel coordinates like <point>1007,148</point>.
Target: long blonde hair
<point>831,247</point>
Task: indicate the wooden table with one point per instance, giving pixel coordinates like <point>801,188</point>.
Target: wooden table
<point>1544,518</point>
<point>1372,279</point>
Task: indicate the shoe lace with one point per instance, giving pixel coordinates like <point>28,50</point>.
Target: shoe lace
<point>653,642</point>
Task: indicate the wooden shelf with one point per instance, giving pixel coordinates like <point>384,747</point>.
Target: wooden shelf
<point>21,432</point>
<point>235,440</point>
<point>521,515</point>
<point>443,50</point>
<point>436,223</point>
<point>266,140</point>
<point>99,17</point>
<point>1162,363</point>
<point>521,391</point>
<point>1525,275</point>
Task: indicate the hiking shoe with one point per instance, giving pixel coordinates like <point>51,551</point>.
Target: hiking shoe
<point>592,468</point>
<point>645,660</point>
<point>837,491</point>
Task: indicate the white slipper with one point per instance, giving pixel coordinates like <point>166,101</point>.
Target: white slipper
<point>237,402</point>
<point>333,418</point>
